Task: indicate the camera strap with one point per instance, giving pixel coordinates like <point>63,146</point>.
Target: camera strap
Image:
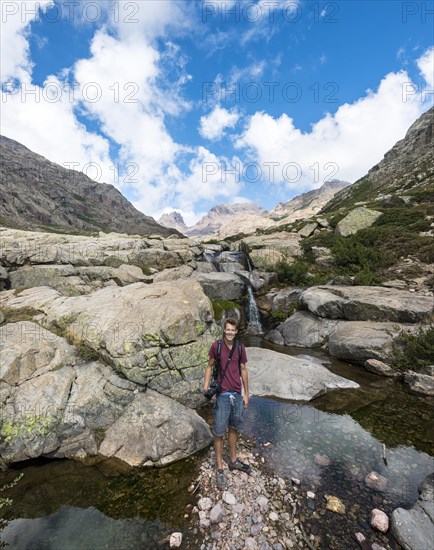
<point>229,360</point>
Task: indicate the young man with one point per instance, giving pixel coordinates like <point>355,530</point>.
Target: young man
<point>229,405</point>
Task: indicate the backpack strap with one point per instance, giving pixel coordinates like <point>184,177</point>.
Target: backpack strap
<point>240,351</point>
<point>218,361</point>
<point>219,353</point>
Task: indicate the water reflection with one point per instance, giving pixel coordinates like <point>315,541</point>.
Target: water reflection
<point>67,505</point>
<point>332,454</point>
<point>303,438</point>
<point>82,529</point>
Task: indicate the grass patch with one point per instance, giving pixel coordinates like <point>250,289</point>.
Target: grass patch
<point>86,352</point>
<point>17,315</point>
<point>211,241</point>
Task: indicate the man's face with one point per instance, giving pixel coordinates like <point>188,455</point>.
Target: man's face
<point>230,332</point>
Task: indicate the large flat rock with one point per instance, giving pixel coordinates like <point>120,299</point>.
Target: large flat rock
<point>279,375</point>
<point>156,335</point>
<point>305,330</point>
<point>358,341</point>
<point>54,404</point>
<point>363,303</point>
<point>222,286</point>
<point>154,431</point>
<point>414,528</point>
<point>20,248</point>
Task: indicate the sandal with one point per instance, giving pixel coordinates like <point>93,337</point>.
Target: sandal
<point>221,480</point>
<point>238,465</point>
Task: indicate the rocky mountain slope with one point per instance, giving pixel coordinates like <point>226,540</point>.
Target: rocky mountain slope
<point>225,220</point>
<point>409,165</point>
<point>308,204</point>
<point>213,224</point>
<point>39,194</point>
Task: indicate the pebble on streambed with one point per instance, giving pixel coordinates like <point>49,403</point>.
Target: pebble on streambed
<point>255,511</point>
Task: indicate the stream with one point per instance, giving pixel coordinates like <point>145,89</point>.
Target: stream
<point>330,445</point>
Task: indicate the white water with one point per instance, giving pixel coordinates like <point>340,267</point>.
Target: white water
<point>254,326</point>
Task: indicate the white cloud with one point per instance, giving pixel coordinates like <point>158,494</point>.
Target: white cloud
<point>213,125</point>
<point>426,67</point>
<point>51,129</point>
<point>149,18</point>
<point>241,200</point>
<point>120,88</point>
<point>207,177</point>
<point>15,20</point>
<point>42,117</point>
<point>253,71</point>
<point>131,107</point>
<point>348,143</point>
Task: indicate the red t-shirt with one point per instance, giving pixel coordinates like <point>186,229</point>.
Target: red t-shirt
<point>232,380</point>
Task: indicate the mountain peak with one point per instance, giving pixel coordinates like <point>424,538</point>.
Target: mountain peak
<point>173,219</point>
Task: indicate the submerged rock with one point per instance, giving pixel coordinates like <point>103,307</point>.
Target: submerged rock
<point>379,520</point>
<point>175,540</point>
<point>334,504</point>
<point>378,367</point>
<point>376,481</point>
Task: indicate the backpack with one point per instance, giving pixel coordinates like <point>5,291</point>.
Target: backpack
<point>219,352</point>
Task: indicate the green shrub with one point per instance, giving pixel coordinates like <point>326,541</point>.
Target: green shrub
<point>413,351</point>
<point>295,273</point>
<point>221,306</point>
<point>356,254</point>
<point>279,315</point>
<point>283,314</point>
<point>414,218</point>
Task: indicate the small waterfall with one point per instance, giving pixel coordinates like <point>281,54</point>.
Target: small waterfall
<point>254,326</point>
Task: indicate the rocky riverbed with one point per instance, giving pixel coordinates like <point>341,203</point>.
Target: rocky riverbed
<point>255,511</point>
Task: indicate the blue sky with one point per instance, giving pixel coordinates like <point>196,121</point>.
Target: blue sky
<point>185,104</point>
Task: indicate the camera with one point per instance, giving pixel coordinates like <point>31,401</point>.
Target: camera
<point>213,389</point>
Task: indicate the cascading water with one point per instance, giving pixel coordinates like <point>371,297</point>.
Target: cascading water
<point>238,263</point>
<point>254,326</point>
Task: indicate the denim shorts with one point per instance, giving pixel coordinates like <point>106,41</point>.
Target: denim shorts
<point>228,412</point>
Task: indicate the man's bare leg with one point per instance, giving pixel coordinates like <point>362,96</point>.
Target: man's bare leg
<point>232,438</point>
<point>218,446</point>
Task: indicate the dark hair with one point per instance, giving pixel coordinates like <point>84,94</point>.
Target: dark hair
<point>231,321</point>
